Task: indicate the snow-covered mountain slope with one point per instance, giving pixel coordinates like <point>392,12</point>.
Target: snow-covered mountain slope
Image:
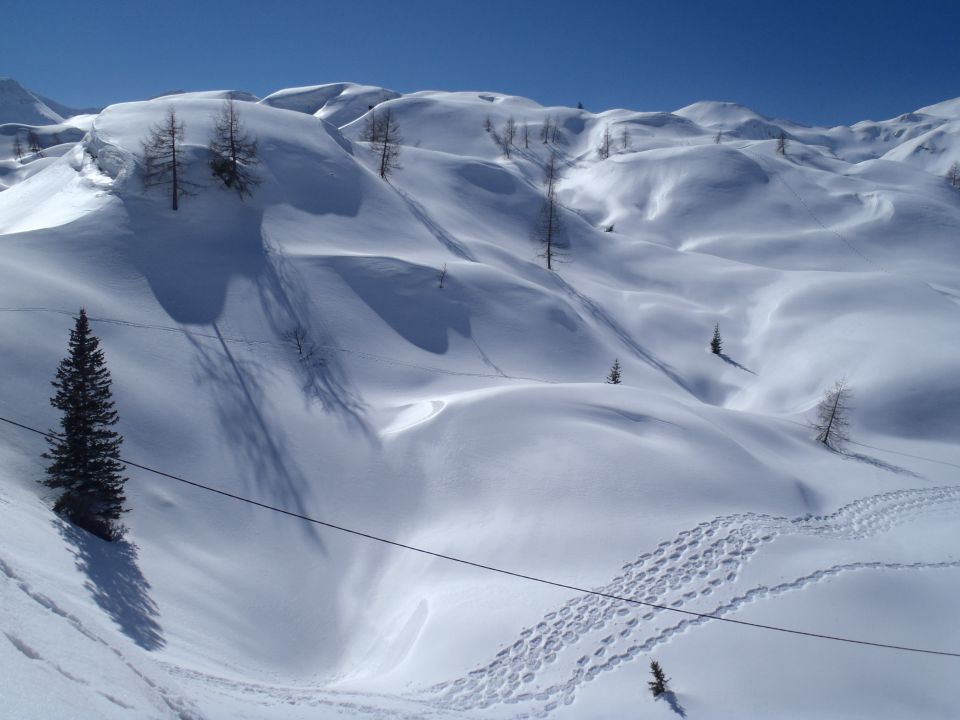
<point>19,105</point>
<point>473,419</point>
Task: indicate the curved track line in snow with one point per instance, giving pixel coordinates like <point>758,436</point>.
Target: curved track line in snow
<point>350,704</point>
<point>269,343</point>
<point>442,236</point>
<point>603,317</point>
<point>177,706</point>
<point>697,564</point>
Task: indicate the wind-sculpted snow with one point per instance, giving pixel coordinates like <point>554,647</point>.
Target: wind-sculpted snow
<point>337,103</point>
<point>703,562</point>
<point>392,355</point>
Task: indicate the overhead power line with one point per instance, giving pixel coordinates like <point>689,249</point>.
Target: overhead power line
<point>499,570</point>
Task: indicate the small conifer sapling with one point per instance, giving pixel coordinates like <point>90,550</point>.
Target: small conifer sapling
<point>659,685</point>
<point>716,343</point>
<point>614,378</point>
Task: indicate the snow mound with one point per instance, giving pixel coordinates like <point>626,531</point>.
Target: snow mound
<point>237,95</point>
<point>949,109</point>
<point>337,103</point>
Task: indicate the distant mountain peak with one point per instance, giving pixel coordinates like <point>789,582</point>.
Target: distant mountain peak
<point>20,105</point>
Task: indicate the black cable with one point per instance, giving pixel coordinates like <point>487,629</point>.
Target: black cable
<point>502,571</point>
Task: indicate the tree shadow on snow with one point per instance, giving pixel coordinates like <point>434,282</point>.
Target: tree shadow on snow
<point>730,361</point>
<point>264,461</point>
<point>674,702</point>
<point>877,463</point>
<point>116,584</point>
<point>190,258</point>
<point>393,289</point>
<point>287,306</point>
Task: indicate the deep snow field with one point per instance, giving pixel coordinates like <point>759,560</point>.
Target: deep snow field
<point>473,420</point>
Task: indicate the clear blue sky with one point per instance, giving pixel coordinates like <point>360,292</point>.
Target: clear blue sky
<point>815,62</point>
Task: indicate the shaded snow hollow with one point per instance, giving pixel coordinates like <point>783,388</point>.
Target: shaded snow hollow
<point>474,419</point>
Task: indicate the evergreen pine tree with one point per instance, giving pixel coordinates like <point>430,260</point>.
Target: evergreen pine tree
<point>614,377</point>
<point>83,455</point>
<point>716,344</point>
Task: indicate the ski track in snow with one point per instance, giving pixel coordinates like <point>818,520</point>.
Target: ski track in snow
<point>696,564</point>
<point>601,316</point>
<point>179,708</point>
<point>441,235</point>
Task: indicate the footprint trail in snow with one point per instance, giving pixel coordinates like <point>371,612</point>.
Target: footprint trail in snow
<point>597,634</point>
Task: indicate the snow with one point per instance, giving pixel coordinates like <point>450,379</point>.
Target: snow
<point>474,420</point>
<point>337,103</point>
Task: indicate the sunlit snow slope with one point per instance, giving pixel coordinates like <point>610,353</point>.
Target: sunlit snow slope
<point>474,420</point>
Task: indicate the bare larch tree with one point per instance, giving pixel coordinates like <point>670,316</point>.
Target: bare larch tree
<point>234,151</point>
<point>387,144</point>
<point>549,225</point>
<point>625,138</point>
<point>162,157</point>
<point>545,130</point>
<point>33,143</point>
<point>17,148</point>
<point>510,130</point>
<point>371,127</point>
<point>782,143</point>
<point>833,416</point>
<point>526,135</point>
<point>603,149</point>
<point>953,175</point>
<point>504,140</point>
<point>509,134</point>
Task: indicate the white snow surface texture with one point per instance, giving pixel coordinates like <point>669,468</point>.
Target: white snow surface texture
<point>474,419</point>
